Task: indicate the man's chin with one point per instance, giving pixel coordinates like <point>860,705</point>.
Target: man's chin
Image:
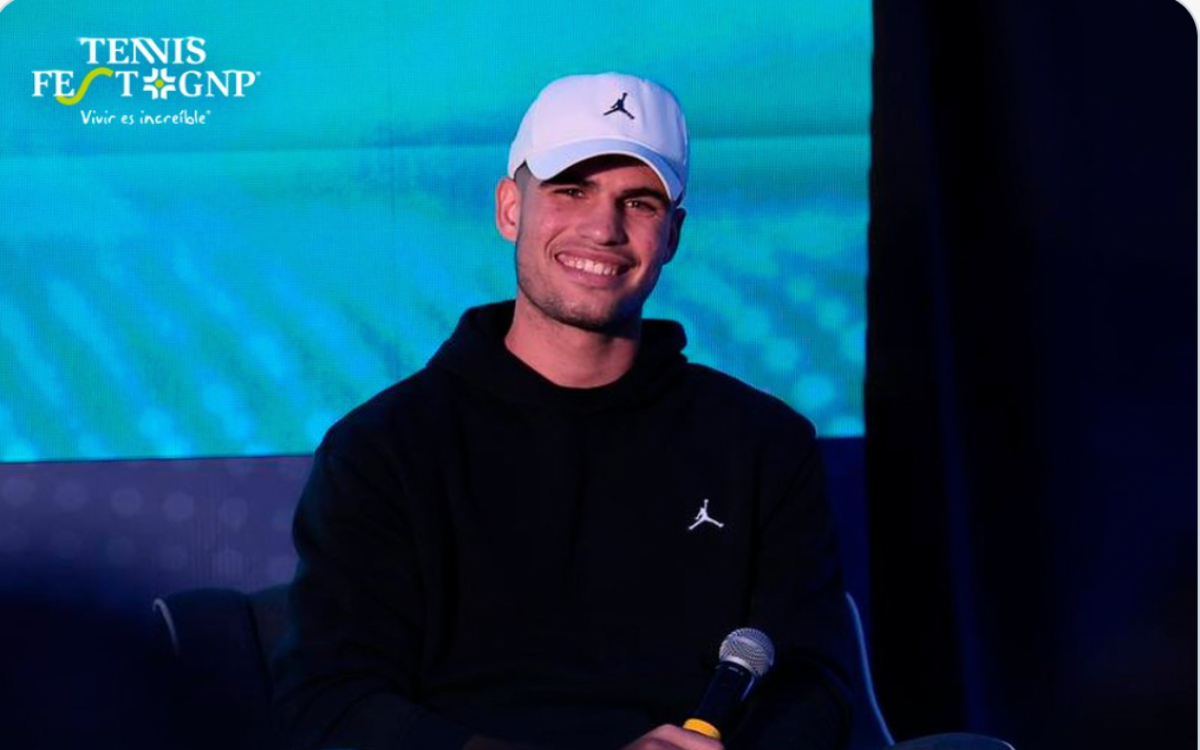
<point>607,317</point>
<point>607,322</point>
<point>611,325</point>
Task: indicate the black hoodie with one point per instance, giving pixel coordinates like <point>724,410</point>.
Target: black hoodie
<point>483,551</point>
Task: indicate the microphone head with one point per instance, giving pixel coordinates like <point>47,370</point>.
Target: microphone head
<point>750,648</point>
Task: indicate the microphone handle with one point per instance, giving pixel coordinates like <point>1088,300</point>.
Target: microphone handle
<point>728,687</point>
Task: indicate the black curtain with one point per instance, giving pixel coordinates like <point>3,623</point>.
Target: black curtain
<point>1031,371</point>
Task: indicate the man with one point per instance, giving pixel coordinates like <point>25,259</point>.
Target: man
<point>541,538</point>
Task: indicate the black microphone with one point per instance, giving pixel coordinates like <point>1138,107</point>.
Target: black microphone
<point>745,656</point>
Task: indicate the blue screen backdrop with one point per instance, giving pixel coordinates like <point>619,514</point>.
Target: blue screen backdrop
<point>255,216</point>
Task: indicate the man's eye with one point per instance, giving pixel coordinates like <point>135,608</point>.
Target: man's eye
<point>637,204</point>
<point>570,192</point>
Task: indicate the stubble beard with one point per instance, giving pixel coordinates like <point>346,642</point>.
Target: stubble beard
<point>623,318</point>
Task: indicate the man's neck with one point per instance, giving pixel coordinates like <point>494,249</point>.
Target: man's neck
<point>569,356</point>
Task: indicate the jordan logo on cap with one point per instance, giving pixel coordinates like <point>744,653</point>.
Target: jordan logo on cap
<point>619,106</point>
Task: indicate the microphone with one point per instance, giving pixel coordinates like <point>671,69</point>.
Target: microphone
<point>744,657</point>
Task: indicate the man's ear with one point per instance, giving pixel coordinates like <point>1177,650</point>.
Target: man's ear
<point>508,208</point>
<point>676,230</point>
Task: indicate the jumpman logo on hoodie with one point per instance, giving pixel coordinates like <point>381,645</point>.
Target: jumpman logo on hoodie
<point>702,517</point>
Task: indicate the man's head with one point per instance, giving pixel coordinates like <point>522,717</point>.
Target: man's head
<point>596,175</point>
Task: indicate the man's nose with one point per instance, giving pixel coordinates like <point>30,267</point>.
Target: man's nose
<point>604,224</point>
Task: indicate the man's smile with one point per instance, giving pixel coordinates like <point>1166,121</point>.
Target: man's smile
<point>591,266</point>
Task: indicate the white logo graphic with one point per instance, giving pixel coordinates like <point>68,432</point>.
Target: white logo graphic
<point>703,517</point>
<point>158,83</point>
<point>163,65</point>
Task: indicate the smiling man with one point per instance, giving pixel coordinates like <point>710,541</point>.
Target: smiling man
<point>541,538</point>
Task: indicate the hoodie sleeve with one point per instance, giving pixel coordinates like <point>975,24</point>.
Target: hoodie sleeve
<point>799,599</point>
<point>346,673</point>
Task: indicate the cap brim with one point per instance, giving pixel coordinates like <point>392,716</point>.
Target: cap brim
<point>549,163</point>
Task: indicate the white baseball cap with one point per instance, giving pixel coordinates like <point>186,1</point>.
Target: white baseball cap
<point>578,117</point>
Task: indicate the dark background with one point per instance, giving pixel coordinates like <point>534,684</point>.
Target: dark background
<point>1031,371</point>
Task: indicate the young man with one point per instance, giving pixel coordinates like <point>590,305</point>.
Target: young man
<point>541,538</point>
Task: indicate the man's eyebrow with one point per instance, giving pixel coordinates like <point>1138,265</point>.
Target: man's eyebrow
<point>647,192</point>
<point>569,178</point>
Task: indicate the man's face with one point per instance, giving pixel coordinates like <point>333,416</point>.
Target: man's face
<point>591,241</point>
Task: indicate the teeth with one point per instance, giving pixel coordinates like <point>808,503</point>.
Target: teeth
<point>589,266</point>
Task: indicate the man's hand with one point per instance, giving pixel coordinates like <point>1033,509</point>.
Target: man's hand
<point>671,737</point>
